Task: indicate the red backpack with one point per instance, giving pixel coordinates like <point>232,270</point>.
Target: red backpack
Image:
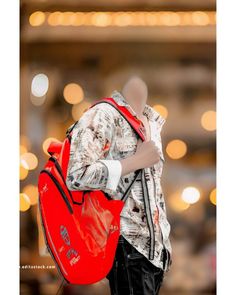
<point>81,228</point>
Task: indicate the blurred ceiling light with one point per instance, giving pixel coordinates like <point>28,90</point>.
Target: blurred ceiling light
<point>161,109</point>
<point>200,18</point>
<point>73,93</point>
<point>176,149</point>
<point>101,19</point>
<point>29,161</point>
<point>169,18</point>
<point>23,173</point>
<point>190,195</point>
<point>79,19</point>
<point>78,109</point>
<point>131,18</point>
<point>32,192</point>
<point>67,18</point>
<point>122,19</point>
<point>208,120</point>
<point>39,85</point>
<point>177,203</point>
<point>24,202</point>
<point>213,196</point>
<point>47,142</point>
<point>23,149</point>
<point>37,18</point>
<point>55,18</point>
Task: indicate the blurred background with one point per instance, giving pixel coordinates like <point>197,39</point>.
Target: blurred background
<point>75,52</point>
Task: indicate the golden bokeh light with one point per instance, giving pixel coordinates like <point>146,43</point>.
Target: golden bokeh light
<point>47,142</point>
<point>190,195</point>
<point>55,18</point>
<point>37,18</point>
<point>200,18</point>
<point>23,173</point>
<point>125,18</point>
<point>24,202</point>
<point>162,110</point>
<point>212,196</point>
<point>208,120</point>
<point>176,149</point>
<point>78,109</point>
<point>32,192</point>
<point>29,161</point>
<point>101,19</point>
<point>73,93</point>
<point>177,203</point>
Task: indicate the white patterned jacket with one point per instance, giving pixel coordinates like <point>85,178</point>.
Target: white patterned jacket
<point>99,140</point>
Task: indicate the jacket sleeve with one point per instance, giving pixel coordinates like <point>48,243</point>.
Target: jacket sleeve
<point>88,168</point>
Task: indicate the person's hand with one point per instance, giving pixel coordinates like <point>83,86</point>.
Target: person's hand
<point>147,154</point>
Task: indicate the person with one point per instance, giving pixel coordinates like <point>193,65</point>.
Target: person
<point>105,153</point>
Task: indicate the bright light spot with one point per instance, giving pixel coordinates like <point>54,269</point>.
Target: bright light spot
<point>55,18</point>
<point>29,161</point>
<point>47,142</point>
<point>176,149</point>
<point>39,85</point>
<point>200,18</point>
<point>24,202</point>
<point>23,172</point>
<point>78,109</point>
<point>190,195</point>
<point>208,120</point>
<point>37,18</point>
<point>73,93</point>
<point>213,196</point>
<point>177,203</point>
<point>162,110</point>
<point>101,19</point>
<point>32,192</point>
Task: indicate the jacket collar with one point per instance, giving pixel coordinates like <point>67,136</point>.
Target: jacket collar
<point>149,112</point>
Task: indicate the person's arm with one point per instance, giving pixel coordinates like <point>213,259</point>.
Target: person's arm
<point>87,168</point>
<point>146,155</point>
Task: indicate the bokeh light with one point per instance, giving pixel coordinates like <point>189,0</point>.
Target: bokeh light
<point>39,85</point>
<point>190,195</point>
<point>29,161</point>
<point>32,192</point>
<point>23,173</point>
<point>37,18</point>
<point>24,202</point>
<point>177,203</point>
<point>176,149</point>
<point>208,120</point>
<point>73,93</point>
<point>212,196</point>
<point>162,110</point>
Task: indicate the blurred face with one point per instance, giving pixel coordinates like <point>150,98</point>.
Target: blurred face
<point>135,90</point>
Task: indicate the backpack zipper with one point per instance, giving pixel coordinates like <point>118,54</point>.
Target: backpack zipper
<point>55,181</point>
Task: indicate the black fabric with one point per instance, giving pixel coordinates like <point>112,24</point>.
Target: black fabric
<point>132,273</point>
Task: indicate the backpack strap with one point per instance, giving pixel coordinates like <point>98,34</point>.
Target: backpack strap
<point>134,122</point>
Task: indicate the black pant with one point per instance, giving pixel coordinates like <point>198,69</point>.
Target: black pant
<point>132,273</point>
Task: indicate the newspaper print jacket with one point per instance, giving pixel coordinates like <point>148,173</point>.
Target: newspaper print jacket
<point>99,140</point>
